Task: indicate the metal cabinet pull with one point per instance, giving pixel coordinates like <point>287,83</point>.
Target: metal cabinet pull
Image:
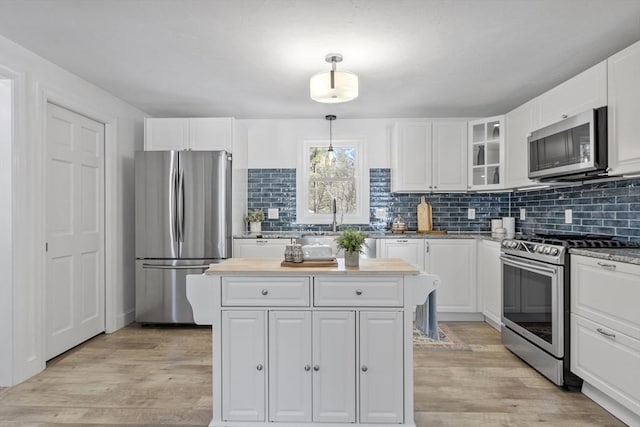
<point>402,241</point>
<point>259,367</point>
<point>364,368</point>
<point>426,247</point>
<point>358,291</point>
<point>264,292</point>
<point>605,265</point>
<point>316,368</point>
<point>261,242</point>
<point>307,368</point>
<point>605,333</point>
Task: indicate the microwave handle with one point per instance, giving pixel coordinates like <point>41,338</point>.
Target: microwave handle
<point>527,266</point>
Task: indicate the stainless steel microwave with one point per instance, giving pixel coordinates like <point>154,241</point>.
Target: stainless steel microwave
<point>573,149</point>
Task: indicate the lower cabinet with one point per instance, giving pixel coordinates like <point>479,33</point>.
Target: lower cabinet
<point>489,282</point>
<point>315,359</point>
<point>605,333</point>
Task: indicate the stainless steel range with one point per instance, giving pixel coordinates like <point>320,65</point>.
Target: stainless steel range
<point>535,299</point>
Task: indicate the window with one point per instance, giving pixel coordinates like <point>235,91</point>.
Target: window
<point>324,177</point>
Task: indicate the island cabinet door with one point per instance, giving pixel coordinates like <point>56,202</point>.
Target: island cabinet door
<point>290,366</point>
<point>243,365</point>
<point>334,357</point>
<point>380,370</point>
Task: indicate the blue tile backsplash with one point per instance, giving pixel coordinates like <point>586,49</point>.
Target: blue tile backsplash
<point>611,208</point>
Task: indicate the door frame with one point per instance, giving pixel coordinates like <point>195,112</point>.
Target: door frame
<point>48,95</point>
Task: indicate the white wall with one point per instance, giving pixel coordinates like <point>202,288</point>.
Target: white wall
<point>38,80</point>
<point>6,361</point>
<point>275,143</point>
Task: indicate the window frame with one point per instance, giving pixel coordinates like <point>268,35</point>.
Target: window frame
<point>361,216</point>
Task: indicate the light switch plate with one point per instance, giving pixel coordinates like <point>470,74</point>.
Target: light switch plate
<point>273,213</point>
<point>471,213</point>
<point>523,214</point>
<point>568,216</point>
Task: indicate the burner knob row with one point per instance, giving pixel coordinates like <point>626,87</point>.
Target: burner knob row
<point>511,244</point>
<point>546,250</point>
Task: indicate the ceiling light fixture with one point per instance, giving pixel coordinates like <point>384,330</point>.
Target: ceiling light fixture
<point>331,118</point>
<point>332,87</point>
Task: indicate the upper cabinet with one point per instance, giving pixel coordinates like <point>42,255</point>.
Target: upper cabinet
<point>189,134</point>
<point>624,104</point>
<point>486,152</point>
<point>429,156</point>
<point>585,91</point>
<point>519,125</point>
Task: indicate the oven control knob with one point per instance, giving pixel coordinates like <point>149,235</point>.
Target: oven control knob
<point>505,243</point>
<point>547,250</point>
<point>554,251</point>
<point>539,249</point>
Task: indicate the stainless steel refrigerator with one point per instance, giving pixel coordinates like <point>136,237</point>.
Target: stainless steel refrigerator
<point>183,224</point>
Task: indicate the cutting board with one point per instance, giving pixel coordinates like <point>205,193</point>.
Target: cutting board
<point>425,223</point>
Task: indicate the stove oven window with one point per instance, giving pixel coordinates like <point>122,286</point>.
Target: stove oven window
<point>527,301</point>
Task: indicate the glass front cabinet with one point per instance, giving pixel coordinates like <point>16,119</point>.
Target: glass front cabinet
<point>486,153</point>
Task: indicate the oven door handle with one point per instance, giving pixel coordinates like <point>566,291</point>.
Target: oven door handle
<point>528,266</point>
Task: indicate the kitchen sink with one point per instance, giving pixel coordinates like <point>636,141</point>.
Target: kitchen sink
<point>319,233</point>
<point>368,249</point>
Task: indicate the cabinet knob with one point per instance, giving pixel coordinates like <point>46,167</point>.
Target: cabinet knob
<point>358,291</point>
<point>430,186</point>
<point>564,116</point>
<point>364,368</point>
<point>264,292</point>
<point>259,367</point>
<point>307,368</point>
<point>316,368</point>
<point>435,186</point>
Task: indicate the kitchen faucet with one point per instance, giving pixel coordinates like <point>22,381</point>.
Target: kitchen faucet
<point>334,216</point>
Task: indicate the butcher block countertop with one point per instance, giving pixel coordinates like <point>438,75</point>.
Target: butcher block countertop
<point>272,266</point>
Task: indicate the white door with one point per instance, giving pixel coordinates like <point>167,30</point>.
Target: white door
<point>243,365</point>
<point>334,357</point>
<point>74,287</point>
<point>381,372</point>
<point>450,156</point>
<point>290,366</point>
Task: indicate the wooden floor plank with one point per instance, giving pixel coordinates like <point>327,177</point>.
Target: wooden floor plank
<point>161,376</point>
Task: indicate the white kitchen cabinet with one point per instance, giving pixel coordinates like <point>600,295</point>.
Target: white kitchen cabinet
<point>210,133</point>
<point>260,248</point>
<point>454,260</point>
<point>519,123</point>
<point>623,107</point>
<point>380,368</point>
<point>489,282</point>
<point>486,153</point>
<point>428,156</point>
<point>605,333</point>
<point>585,91</point>
<point>409,250</point>
<point>339,361</point>
<point>244,362</point>
<point>334,355</point>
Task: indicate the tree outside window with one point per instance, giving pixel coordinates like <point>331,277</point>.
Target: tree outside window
<point>332,175</point>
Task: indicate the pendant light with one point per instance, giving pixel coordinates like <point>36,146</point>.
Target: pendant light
<point>333,86</point>
<point>331,118</point>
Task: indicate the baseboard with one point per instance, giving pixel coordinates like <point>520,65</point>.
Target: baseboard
<point>460,317</point>
<point>123,319</point>
<point>617,410</point>
<point>495,325</point>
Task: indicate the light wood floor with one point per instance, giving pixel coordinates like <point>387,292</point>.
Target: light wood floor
<point>141,376</point>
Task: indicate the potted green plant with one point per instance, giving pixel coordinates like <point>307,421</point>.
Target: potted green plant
<point>351,241</point>
<point>255,218</point>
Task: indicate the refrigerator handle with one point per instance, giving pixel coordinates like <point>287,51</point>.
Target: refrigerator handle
<point>181,205</point>
<point>172,202</point>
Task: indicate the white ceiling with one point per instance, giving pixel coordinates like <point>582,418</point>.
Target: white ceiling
<point>253,58</point>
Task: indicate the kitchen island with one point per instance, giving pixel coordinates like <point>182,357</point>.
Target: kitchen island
<point>298,346</point>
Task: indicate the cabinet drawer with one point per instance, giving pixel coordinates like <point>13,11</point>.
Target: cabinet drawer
<point>606,292</point>
<point>341,292</point>
<point>609,363</point>
<point>261,291</point>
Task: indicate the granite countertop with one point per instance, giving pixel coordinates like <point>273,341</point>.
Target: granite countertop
<point>371,234</point>
<point>628,255</point>
<point>272,266</point>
